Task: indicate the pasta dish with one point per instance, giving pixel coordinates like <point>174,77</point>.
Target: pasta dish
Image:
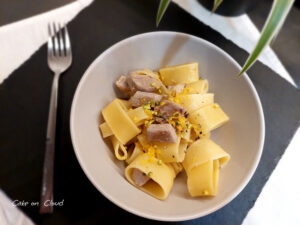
<point>163,129</point>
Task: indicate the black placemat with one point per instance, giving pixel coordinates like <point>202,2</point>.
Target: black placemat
<point>24,99</point>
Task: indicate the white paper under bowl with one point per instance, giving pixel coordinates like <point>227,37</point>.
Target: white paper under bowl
<point>242,137</point>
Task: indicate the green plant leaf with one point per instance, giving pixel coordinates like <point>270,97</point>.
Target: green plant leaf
<point>277,16</point>
<point>217,3</point>
<point>163,5</point>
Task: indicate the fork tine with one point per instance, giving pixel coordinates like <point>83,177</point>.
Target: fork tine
<point>56,46</point>
<point>67,41</point>
<point>50,41</point>
<point>49,30</point>
<point>61,41</point>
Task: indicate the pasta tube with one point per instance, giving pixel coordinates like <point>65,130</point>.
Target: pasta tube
<point>197,87</point>
<point>161,176</point>
<point>195,101</point>
<point>105,130</point>
<point>169,152</point>
<point>202,162</point>
<point>119,122</point>
<point>138,115</point>
<point>138,150</point>
<point>180,74</point>
<point>209,117</point>
<point>119,149</point>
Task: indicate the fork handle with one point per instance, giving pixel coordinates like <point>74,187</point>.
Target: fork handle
<point>46,205</point>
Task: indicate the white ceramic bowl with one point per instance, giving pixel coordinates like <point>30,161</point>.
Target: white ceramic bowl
<point>242,137</point>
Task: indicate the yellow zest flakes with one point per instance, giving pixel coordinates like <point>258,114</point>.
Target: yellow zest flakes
<point>159,162</point>
<point>215,106</point>
<point>148,122</point>
<point>197,129</point>
<point>172,123</point>
<point>159,91</point>
<point>178,121</point>
<point>151,159</point>
<point>153,84</point>
<point>177,101</point>
<point>148,112</point>
<point>162,103</point>
<point>162,78</point>
<point>182,119</point>
<point>205,192</point>
<point>151,153</point>
<point>154,113</point>
<point>130,109</point>
<point>179,128</point>
<point>171,92</point>
<point>176,98</point>
<point>186,90</point>
<point>135,119</point>
<point>176,114</point>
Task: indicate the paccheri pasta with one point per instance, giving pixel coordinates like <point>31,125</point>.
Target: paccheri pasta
<point>164,127</point>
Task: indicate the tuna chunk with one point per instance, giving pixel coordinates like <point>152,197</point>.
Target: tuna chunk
<point>141,98</point>
<point>122,84</point>
<point>143,83</point>
<point>139,178</point>
<point>169,108</point>
<point>177,88</point>
<point>161,133</point>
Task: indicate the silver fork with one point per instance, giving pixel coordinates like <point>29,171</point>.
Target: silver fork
<point>59,60</point>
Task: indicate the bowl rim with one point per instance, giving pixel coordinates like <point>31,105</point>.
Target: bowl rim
<point>135,211</point>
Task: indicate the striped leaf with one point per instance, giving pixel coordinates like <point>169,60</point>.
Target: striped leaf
<point>163,5</point>
<point>277,16</point>
<point>217,3</point>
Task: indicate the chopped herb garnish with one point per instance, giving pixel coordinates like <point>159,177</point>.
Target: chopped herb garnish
<point>156,103</point>
<point>150,174</point>
<point>147,106</point>
<point>159,115</point>
<point>177,123</point>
